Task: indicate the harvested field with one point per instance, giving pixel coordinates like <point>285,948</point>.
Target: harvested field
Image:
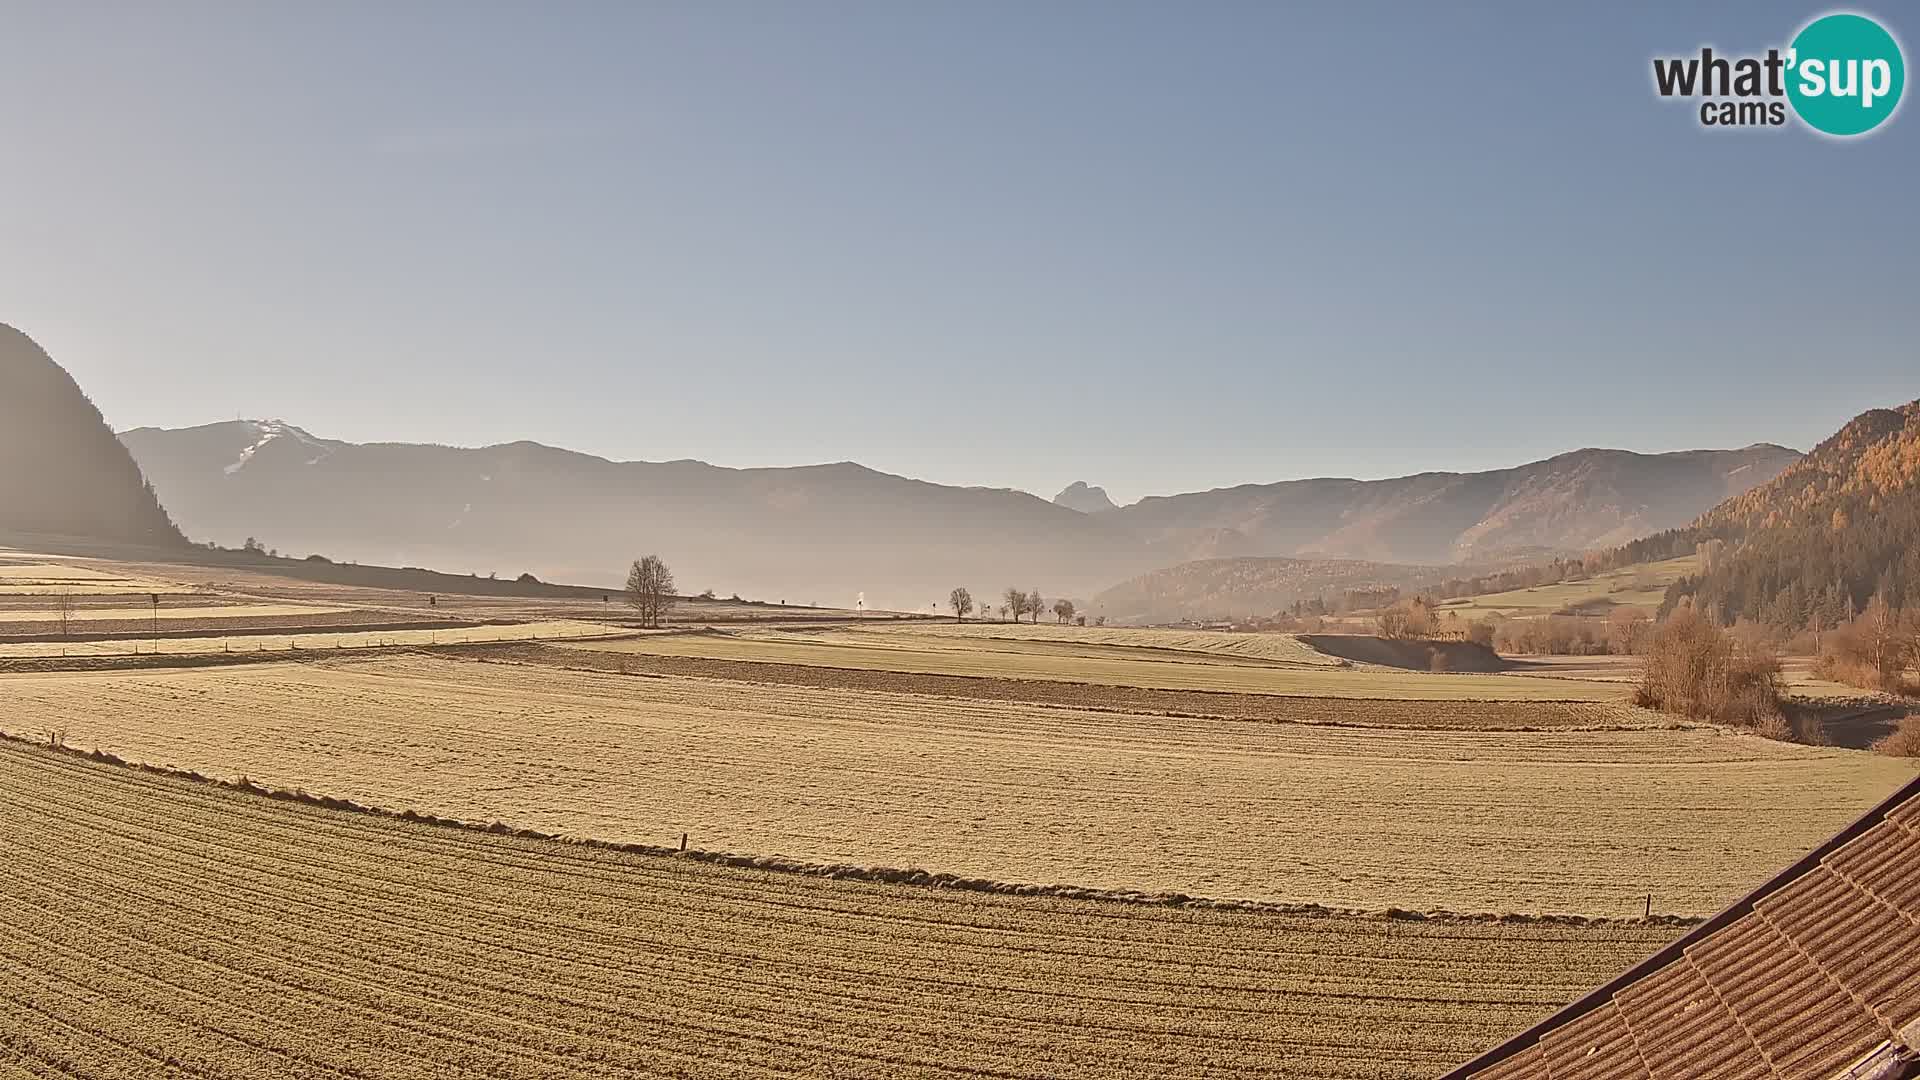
<point>459,596</point>
<point>1276,708</point>
<point>143,628</point>
<point>318,639</point>
<point>110,617</point>
<point>906,649</point>
<point>24,576</point>
<point>1576,822</point>
<point>1287,648</point>
<point>194,613</point>
<point>152,926</point>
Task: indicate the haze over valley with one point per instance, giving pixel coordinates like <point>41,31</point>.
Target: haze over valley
<point>828,533</point>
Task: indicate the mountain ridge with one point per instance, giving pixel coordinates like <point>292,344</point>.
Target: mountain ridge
<point>834,529</point>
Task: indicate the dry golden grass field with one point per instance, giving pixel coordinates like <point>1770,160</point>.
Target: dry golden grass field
<point>486,600</point>
<point>1582,822</point>
<point>911,648</point>
<point>1286,648</point>
<point>157,927</point>
<point>1642,587</point>
<point>112,598</point>
<point>150,925</point>
<point>1342,711</point>
<point>319,640</point>
<point>23,574</point>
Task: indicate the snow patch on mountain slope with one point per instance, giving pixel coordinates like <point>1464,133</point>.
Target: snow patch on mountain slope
<point>269,430</point>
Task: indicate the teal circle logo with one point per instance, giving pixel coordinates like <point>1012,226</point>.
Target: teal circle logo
<point>1845,74</point>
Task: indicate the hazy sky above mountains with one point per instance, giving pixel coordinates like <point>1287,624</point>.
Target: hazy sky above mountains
<point>1156,247</point>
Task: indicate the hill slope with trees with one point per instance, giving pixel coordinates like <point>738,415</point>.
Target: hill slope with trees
<point>1816,544</point>
<point>62,472</point>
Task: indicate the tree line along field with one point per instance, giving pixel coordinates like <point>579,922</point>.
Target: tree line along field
<point>1582,822</point>
<point>908,648</point>
<point>153,926</point>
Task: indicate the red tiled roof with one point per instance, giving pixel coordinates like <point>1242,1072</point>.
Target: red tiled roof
<point>1812,976</point>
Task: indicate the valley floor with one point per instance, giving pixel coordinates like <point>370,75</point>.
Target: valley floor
<point>1570,821</point>
<point>159,925</point>
<point>154,926</point>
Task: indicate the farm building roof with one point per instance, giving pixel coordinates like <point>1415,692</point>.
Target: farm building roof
<point>1814,975</point>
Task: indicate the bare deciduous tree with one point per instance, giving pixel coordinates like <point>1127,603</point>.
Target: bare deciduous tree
<point>650,590</point>
<point>1063,610</point>
<point>1035,605</point>
<point>1016,602</point>
<point>961,601</point>
<point>63,611</point>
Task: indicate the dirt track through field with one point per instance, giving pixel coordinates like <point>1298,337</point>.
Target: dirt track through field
<point>150,926</point>
<point>1574,822</point>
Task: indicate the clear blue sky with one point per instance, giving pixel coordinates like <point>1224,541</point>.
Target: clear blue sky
<point>1158,247</point>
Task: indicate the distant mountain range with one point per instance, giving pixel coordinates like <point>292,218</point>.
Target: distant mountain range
<point>1413,531</point>
<point>1568,503</point>
<point>61,471</point>
<point>828,532</point>
<point>822,533</point>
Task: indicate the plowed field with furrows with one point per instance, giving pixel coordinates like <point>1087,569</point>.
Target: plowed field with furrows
<point>150,926</point>
<point>1583,822</point>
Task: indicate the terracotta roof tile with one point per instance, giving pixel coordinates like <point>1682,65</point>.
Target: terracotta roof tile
<point>1597,1046</point>
<point>1791,1008</point>
<point>1869,948</point>
<point>1886,863</point>
<point>1682,1030</point>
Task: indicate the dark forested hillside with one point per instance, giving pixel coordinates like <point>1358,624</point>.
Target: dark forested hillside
<point>61,469</point>
<point>1816,543</point>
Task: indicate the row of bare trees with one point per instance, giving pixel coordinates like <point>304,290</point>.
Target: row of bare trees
<point>1015,603</point>
<point>1875,650</point>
